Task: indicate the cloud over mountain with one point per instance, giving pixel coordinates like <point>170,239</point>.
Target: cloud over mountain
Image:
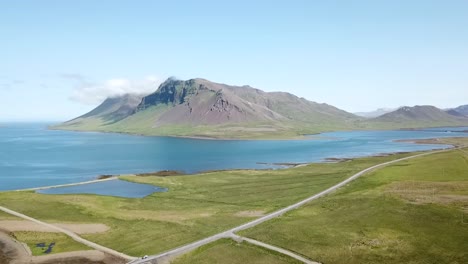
<point>88,92</point>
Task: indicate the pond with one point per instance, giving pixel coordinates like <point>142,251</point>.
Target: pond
<point>109,188</point>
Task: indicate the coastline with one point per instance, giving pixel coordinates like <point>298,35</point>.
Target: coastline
<point>62,185</point>
<point>284,166</point>
<point>199,137</point>
<point>308,136</point>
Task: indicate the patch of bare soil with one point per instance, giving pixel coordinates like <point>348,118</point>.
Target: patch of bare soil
<point>252,213</point>
<point>23,225</point>
<point>14,252</point>
<point>446,193</point>
<point>78,257</point>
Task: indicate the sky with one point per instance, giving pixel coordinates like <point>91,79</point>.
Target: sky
<point>59,59</point>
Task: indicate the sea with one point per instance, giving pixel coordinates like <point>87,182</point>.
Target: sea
<point>31,155</point>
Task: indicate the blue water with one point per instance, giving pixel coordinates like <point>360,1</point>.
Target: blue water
<point>109,188</point>
<point>32,156</point>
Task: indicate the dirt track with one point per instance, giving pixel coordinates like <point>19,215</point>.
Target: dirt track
<point>13,252</point>
<point>23,225</point>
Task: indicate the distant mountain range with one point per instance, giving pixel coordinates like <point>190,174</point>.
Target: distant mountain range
<point>459,111</point>
<point>420,116</point>
<point>375,113</point>
<point>200,108</point>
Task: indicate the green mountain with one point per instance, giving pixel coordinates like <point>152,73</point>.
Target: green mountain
<point>198,107</point>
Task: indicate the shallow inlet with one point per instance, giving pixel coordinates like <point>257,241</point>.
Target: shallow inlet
<point>117,188</point>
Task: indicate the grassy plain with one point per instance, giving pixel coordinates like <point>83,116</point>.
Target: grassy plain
<point>227,251</point>
<point>195,206</point>
<point>414,211</point>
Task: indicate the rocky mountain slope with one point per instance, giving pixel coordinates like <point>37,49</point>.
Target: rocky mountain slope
<point>198,107</point>
<point>201,108</point>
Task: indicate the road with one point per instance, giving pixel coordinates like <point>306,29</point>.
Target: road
<point>70,234</point>
<point>62,185</point>
<point>277,249</point>
<point>163,257</point>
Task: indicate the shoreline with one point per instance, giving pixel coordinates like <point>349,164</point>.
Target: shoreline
<point>61,185</point>
<point>297,137</point>
<point>283,166</point>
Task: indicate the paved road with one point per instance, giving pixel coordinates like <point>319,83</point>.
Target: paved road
<point>70,234</point>
<point>163,257</point>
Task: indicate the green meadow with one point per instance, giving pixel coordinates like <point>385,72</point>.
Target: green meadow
<point>414,211</point>
<point>227,251</point>
<point>196,206</point>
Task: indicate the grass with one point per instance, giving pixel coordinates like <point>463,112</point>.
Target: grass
<point>62,242</point>
<point>194,207</point>
<point>228,251</point>
<point>5,216</point>
<point>410,212</point>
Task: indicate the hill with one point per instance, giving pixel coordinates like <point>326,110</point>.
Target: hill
<point>418,116</point>
<point>459,111</point>
<point>198,107</point>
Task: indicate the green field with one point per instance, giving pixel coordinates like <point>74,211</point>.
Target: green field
<point>414,211</point>
<point>228,251</point>
<point>63,243</point>
<point>195,206</point>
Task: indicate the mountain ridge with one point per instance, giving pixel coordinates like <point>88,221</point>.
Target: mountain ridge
<point>201,108</point>
<point>461,110</point>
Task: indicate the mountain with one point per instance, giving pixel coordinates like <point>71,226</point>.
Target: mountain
<point>459,111</point>
<point>419,116</point>
<point>375,113</point>
<point>201,108</point>
<point>454,113</point>
<point>115,108</point>
<point>198,107</point>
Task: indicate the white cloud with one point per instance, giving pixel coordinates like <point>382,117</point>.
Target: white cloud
<point>93,93</point>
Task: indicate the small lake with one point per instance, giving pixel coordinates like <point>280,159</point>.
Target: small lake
<point>109,188</point>
<point>33,156</point>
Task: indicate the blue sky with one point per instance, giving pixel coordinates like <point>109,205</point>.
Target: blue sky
<point>58,59</point>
